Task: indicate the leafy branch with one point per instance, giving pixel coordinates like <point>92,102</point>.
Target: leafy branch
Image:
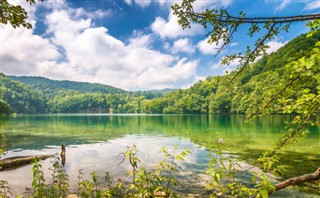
<point>15,15</point>
<point>224,25</point>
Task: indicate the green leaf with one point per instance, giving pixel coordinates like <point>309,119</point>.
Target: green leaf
<point>179,157</point>
<point>263,193</point>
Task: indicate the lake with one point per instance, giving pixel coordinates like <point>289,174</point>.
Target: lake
<point>94,142</point>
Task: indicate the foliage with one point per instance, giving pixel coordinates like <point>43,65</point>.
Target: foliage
<point>14,14</point>
<point>254,88</point>
<point>222,25</point>
<point>5,191</point>
<point>58,187</point>
<point>21,98</point>
<point>52,87</point>
<point>69,97</point>
<point>157,181</point>
<point>96,189</point>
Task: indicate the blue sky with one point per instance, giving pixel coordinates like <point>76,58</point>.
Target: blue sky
<point>130,44</point>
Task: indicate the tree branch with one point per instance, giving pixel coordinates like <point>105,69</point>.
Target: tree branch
<point>298,180</point>
<point>284,19</point>
<point>252,53</point>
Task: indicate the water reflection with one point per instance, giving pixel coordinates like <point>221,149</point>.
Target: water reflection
<point>94,141</point>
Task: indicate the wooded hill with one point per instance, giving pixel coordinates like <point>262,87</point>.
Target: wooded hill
<point>257,83</point>
<point>42,95</point>
<point>51,87</point>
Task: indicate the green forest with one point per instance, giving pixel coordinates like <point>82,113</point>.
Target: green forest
<point>256,84</point>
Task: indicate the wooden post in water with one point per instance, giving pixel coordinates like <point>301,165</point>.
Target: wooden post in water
<point>63,154</point>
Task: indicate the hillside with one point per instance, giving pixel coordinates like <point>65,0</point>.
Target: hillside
<point>42,95</point>
<point>51,87</point>
<point>293,66</point>
<point>21,97</point>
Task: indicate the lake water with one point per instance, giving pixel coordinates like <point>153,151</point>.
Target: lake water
<point>94,142</point>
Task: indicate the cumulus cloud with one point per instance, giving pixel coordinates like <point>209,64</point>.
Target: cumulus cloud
<point>171,29</point>
<point>183,45</point>
<point>140,40</point>
<point>207,48</point>
<point>21,51</point>
<point>274,45</point>
<point>76,50</point>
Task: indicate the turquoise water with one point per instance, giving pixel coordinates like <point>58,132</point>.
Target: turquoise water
<point>94,143</point>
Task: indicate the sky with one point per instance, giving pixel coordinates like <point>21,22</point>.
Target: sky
<point>130,44</point>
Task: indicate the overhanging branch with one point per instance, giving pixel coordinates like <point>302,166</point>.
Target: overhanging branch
<point>298,180</point>
<point>284,19</point>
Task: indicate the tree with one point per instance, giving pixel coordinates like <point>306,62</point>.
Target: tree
<point>14,14</point>
<point>292,94</point>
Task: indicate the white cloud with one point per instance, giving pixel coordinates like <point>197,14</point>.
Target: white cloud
<point>274,45</point>
<point>101,14</point>
<point>183,45</point>
<point>312,5</point>
<point>75,50</point>
<point>200,6</point>
<point>233,64</point>
<point>129,2</point>
<point>207,48</point>
<point>171,29</point>
<point>195,80</point>
<point>309,4</point>
<point>21,51</point>
<point>143,3</point>
<point>157,76</point>
<point>140,40</point>
<point>283,5</point>
<point>234,44</point>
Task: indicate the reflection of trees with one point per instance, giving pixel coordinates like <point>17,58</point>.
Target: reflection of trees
<point>3,122</point>
<point>37,132</point>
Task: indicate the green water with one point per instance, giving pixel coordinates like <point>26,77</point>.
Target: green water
<point>93,141</point>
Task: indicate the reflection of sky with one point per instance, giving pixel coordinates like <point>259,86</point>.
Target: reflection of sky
<point>104,156</point>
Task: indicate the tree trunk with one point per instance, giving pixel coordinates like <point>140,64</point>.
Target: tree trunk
<point>15,162</point>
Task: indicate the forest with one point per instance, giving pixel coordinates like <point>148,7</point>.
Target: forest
<point>258,82</point>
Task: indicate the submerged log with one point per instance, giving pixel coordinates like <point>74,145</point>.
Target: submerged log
<point>16,162</point>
